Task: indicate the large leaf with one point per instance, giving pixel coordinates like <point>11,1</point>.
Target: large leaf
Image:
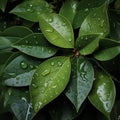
<point>82,78</point>
<point>103,93</point>
<point>19,71</point>
<point>30,9</point>
<point>3,4</point>
<point>85,7</point>
<point>96,22</point>
<point>68,9</point>
<point>57,29</point>
<point>49,80</point>
<point>87,44</point>
<point>35,45</point>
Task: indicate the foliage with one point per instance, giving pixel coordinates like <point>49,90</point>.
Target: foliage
<point>59,60</point>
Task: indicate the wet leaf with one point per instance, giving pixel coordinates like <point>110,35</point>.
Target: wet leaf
<point>68,9</point>
<point>19,71</point>
<point>87,44</point>
<point>103,93</point>
<point>82,77</point>
<point>57,29</point>
<point>16,31</point>
<point>29,10</point>
<point>85,7</point>
<point>35,45</point>
<point>3,4</point>
<point>96,22</point>
<point>49,80</point>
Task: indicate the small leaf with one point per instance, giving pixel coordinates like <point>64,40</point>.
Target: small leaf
<point>68,9</point>
<point>49,80</point>
<point>82,78</point>
<point>30,9</point>
<point>96,22</point>
<point>3,4</point>
<point>16,31</point>
<point>19,71</point>
<point>87,44</point>
<point>57,29</point>
<point>108,53</point>
<point>35,45</point>
<point>103,93</point>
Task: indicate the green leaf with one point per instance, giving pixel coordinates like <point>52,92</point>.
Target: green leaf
<point>85,7</point>
<point>29,10</point>
<point>114,25</point>
<point>82,78</point>
<point>3,4</point>
<point>35,45</point>
<point>68,9</point>
<point>109,49</point>
<point>96,22</point>
<point>103,93</point>
<point>49,80</point>
<point>16,31</point>
<point>108,53</point>
<point>22,109</point>
<point>19,71</point>
<point>87,44</point>
<point>57,29</point>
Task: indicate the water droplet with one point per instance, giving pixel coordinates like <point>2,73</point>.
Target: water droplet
<point>49,51</point>
<point>54,86</point>
<point>59,64</point>
<point>24,99</point>
<point>30,5</point>
<point>86,9</point>
<point>36,42</point>
<point>49,30</point>
<point>69,39</point>
<point>9,92</point>
<point>50,20</point>
<point>38,105</point>
<point>45,72</point>
<point>23,65</point>
<point>64,24</point>
<point>34,36</point>
<point>34,85</point>
<point>45,84</point>
<point>31,66</point>
<point>12,74</point>
<point>52,63</point>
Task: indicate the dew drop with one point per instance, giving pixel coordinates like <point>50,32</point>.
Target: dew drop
<point>69,39</point>
<point>86,9</point>
<point>49,51</point>
<point>64,24</point>
<point>52,63</point>
<point>50,30</point>
<point>50,20</point>
<point>45,72</point>
<point>45,84</point>
<point>34,85</point>
<point>23,65</point>
<point>59,64</point>
<point>54,86</point>
<point>38,105</point>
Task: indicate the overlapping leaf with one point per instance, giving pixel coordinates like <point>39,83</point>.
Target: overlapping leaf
<point>87,44</point>
<point>49,80</point>
<point>19,71</point>
<point>30,9</point>
<point>103,93</point>
<point>35,45</point>
<point>68,9</point>
<point>82,78</point>
<point>57,29</point>
<point>96,22</point>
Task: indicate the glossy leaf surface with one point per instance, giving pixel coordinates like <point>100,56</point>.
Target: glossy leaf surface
<point>35,45</point>
<point>29,10</point>
<point>82,77</point>
<point>68,9</point>
<point>19,71</point>
<point>57,29</point>
<point>103,93</point>
<point>87,44</point>
<point>49,80</point>
<point>96,22</point>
